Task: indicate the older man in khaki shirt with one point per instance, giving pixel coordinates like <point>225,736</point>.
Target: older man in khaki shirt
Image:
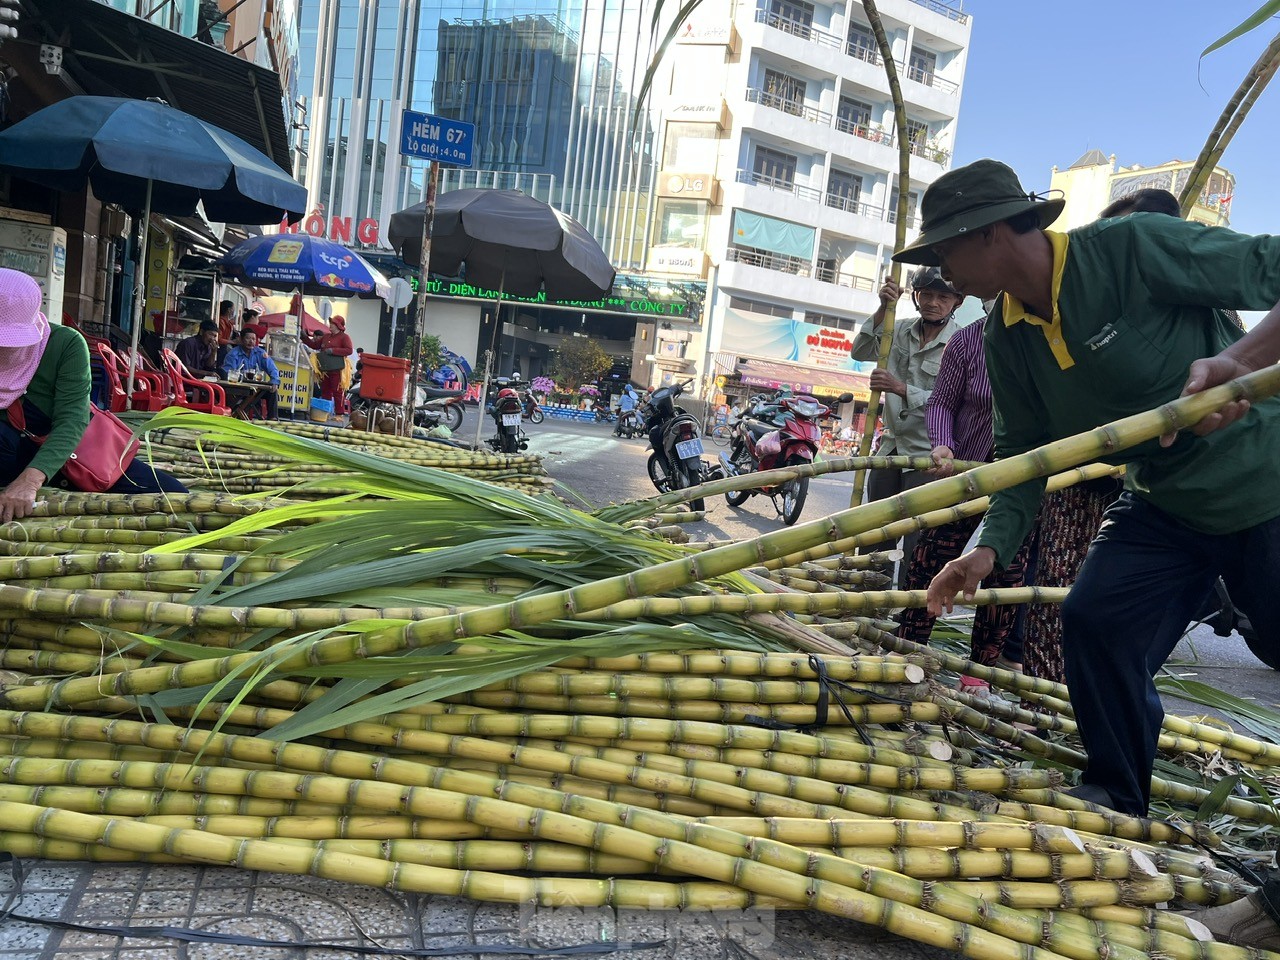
<point>907,381</point>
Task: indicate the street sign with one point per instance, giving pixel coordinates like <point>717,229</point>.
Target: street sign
<point>401,294</point>
<point>429,137</point>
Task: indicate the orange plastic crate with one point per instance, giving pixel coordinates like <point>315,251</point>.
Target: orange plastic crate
<point>384,379</point>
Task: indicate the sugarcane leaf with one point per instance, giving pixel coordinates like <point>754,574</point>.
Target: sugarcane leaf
<point>1252,22</point>
<point>1217,797</point>
<point>1257,719</point>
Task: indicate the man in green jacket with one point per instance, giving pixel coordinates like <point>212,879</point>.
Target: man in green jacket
<point>1089,327</point>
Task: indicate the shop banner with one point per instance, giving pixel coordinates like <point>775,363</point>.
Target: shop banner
<point>784,338</point>
<point>295,393</point>
<point>776,236</point>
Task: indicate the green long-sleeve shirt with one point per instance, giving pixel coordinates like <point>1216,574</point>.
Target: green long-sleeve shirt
<point>906,434</point>
<point>1138,300</point>
<point>60,389</point>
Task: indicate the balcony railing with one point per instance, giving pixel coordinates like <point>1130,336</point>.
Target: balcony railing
<point>867,131</point>
<point>796,108</point>
<point>853,205</point>
<point>770,261</point>
<point>930,79</point>
<point>860,51</point>
<point>779,183</point>
<point>930,152</point>
<point>798,28</point>
<point>850,280</point>
<point>913,218</point>
<point>950,12</point>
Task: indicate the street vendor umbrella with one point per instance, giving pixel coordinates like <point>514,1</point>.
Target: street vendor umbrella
<point>149,158</point>
<point>508,242</point>
<point>301,262</point>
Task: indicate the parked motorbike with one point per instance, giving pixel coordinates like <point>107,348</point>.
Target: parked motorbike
<point>506,417</point>
<point>675,438</point>
<point>629,424</point>
<point>604,414</point>
<point>428,411</point>
<point>530,410</point>
<point>1224,617</point>
<point>759,445</point>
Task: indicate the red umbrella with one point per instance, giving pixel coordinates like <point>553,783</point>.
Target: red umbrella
<point>310,324</point>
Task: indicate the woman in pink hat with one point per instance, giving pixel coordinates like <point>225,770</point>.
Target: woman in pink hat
<point>45,368</point>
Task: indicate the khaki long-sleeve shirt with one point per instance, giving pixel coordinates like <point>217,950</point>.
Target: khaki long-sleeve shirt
<point>906,433</point>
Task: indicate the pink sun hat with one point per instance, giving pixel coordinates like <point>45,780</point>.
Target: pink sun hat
<point>21,322</point>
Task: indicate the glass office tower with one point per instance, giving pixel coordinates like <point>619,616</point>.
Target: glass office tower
<point>548,83</point>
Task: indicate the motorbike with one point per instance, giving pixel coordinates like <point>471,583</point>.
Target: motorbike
<point>758,445</point>
<point>604,414</point>
<point>675,439</point>
<point>1224,617</point>
<point>530,410</point>
<point>428,411</point>
<point>505,410</point>
<point>629,424</point>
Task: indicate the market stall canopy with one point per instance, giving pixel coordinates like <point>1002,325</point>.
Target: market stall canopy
<point>801,378</point>
<point>113,53</point>
<point>310,324</point>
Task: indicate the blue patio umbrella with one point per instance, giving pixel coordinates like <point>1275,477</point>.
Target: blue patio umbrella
<point>148,157</point>
<point>305,264</point>
<point>300,262</point>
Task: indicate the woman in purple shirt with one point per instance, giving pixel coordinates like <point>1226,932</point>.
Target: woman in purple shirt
<point>958,414</point>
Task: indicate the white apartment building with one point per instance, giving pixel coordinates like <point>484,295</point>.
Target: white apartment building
<point>778,173</point>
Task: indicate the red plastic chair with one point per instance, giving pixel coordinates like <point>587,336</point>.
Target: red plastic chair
<point>208,397</point>
<point>151,391</point>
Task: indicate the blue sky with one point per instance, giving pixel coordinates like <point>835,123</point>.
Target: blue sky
<point>1048,81</point>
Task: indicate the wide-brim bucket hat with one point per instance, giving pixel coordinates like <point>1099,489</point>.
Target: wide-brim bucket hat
<point>21,322</point>
<point>969,198</point>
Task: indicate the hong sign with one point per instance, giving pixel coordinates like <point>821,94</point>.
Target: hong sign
<point>439,139</point>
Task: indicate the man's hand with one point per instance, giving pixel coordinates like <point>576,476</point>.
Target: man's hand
<point>886,382</point>
<point>944,461</point>
<point>19,498</point>
<point>1211,372</point>
<point>960,576</point>
<point>890,292</point>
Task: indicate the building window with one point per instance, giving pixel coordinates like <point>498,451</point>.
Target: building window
<point>913,205</point>
<point>785,91</point>
<point>760,306</point>
<point>862,43</point>
<point>923,66</point>
<point>831,322</point>
<point>682,223</point>
<point>690,146</point>
<point>853,116</point>
<point>775,168</point>
<point>917,133</point>
<point>793,15</point>
<point>844,191</point>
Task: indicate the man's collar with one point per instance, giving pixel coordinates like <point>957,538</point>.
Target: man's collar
<point>1014,311</point>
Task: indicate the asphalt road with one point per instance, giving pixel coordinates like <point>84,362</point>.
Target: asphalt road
<point>602,469</point>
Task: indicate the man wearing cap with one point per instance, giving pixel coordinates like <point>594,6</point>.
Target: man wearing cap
<point>1089,327</point>
<point>907,381</point>
<point>199,354</point>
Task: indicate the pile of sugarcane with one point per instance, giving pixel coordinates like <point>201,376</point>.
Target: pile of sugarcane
<point>456,688</point>
<point>210,458</point>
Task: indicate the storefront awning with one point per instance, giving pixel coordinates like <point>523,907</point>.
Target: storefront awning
<point>112,53</point>
<point>801,378</point>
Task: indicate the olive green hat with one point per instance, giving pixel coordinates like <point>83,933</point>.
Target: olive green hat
<point>968,198</point>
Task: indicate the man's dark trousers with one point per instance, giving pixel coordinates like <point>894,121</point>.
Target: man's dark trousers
<point>1143,580</point>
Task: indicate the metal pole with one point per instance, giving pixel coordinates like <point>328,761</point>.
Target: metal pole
<point>494,342</point>
<point>139,295</point>
<point>395,318</point>
<point>415,355</point>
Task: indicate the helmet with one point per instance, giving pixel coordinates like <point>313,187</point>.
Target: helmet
<point>506,393</point>
<point>931,278</point>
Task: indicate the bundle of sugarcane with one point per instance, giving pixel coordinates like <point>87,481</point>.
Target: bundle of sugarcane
<point>421,649</point>
<point>212,453</point>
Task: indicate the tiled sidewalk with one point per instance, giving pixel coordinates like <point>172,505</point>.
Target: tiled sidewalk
<point>303,910</point>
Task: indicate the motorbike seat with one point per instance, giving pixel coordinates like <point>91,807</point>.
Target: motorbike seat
<point>759,429</point>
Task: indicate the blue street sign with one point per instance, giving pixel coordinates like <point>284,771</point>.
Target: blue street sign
<point>429,137</point>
